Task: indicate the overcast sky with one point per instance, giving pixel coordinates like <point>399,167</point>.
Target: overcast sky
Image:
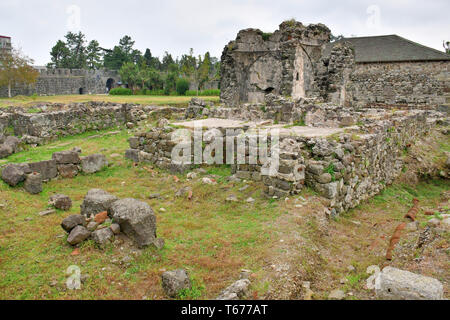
<point>208,25</point>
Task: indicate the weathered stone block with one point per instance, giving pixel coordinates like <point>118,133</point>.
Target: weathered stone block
<point>396,284</point>
<point>47,169</point>
<point>136,219</point>
<point>33,183</point>
<point>175,281</point>
<point>13,175</point>
<point>78,235</point>
<point>66,157</point>
<point>68,171</point>
<point>72,221</point>
<point>97,201</point>
<point>93,163</point>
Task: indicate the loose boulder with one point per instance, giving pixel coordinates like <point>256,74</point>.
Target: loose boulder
<point>47,169</point>
<point>237,291</point>
<point>13,175</point>
<point>68,171</point>
<point>396,284</point>
<point>12,142</point>
<point>5,151</point>
<point>33,183</point>
<point>66,157</point>
<point>69,223</point>
<point>97,201</point>
<point>175,281</point>
<point>136,219</point>
<point>102,236</point>
<point>61,202</point>
<point>78,235</point>
<point>93,163</point>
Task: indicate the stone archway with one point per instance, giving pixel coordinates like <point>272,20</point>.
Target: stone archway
<point>110,84</point>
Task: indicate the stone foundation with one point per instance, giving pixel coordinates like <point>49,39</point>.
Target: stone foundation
<point>346,165</point>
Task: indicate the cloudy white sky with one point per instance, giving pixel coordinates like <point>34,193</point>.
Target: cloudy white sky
<point>207,25</point>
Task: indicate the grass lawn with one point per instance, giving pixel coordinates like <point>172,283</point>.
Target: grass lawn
<point>209,237</point>
<point>151,100</point>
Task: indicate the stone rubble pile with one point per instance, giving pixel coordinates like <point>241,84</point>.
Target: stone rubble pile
<point>104,216</point>
<point>64,164</point>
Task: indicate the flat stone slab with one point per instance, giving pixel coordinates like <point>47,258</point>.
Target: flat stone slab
<point>304,131</point>
<point>211,123</point>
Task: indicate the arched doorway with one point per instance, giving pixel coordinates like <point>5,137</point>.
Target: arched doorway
<point>81,90</point>
<point>109,84</point>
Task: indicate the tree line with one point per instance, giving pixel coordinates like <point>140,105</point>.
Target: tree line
<point>139,71</point>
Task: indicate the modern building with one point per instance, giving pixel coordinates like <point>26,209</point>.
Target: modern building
<point>5,43</point>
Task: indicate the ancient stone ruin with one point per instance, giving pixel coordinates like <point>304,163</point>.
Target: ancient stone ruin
<point>299,61</point>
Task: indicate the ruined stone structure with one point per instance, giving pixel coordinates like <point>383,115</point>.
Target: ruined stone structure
<point>345,155</point>
<point>301,62</point>
<point>66,81</point>
<point>53,121</point>
<point>287,63</point>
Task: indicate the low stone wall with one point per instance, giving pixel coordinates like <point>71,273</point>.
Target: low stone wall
<point>63,120</point>
<point>65,164</point>
<point>348,169</point>
<point>345,168</point>
<point>278,110</point>
<point>418,84</point>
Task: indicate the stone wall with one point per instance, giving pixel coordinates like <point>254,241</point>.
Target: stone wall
<point>63,120</point>
<point>345,168</point>
<point>413,84</point>
<point>65,81</point>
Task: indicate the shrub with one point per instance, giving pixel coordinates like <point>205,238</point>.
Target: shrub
<point>182,86</point>
<point>212,92</point>
<point>266,36</point>
<point>121,92</point>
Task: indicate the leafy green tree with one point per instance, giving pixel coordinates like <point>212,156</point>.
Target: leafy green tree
<point>167,61</point>
<point>148,57</point>
<point>76,44</point>
<point>114,59</point>
<point>204,69</point>
<point>94,55</point>
<point>129,73</point>
<point>16,68</point>
<point>59,56</point>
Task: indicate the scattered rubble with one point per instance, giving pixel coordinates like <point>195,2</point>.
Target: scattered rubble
<point>61,202</point>
<point>175,281</point>
<point>236,291</point>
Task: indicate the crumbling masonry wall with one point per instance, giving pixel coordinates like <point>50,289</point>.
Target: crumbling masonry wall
<point>65,81</point>
<point>412,84</point>
<point>64,120</point>
<point>284,63</point>
<point>346,168</point>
